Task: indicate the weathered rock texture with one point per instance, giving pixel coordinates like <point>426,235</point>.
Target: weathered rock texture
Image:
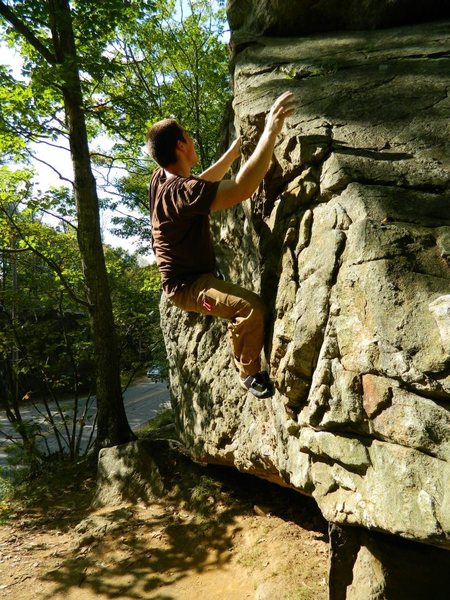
<point>144,471</point>
<point>248,18</point>
<point>131,472</point>
<point>348,241</point>
<point>367,566</point>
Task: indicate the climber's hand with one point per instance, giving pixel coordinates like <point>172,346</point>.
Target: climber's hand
<point>283,107</point>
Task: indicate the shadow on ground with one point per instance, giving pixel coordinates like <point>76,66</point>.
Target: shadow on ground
<point>141,550</point>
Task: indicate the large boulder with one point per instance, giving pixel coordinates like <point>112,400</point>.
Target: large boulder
<point>348,241</point>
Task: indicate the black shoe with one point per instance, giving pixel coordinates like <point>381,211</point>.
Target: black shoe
<point>259,384</point>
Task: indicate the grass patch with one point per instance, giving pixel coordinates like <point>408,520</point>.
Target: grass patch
<point>205,495</point>
<point>302,594</point>
<point>161,426</point>
<point>250,559</point>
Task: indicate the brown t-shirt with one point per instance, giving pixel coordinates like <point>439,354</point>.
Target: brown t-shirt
<point>179,211</point>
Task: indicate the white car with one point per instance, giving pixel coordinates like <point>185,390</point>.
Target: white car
<point>154,373</point>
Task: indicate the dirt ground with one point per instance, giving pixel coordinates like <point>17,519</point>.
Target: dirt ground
<point>232,537</point>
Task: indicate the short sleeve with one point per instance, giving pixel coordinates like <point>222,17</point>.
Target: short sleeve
<point>196,196</point>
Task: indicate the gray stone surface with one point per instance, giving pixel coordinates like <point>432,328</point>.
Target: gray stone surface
<point>128,473</point>
<point>248,18</point>
<point>347,240</point>
<point>373,566</point>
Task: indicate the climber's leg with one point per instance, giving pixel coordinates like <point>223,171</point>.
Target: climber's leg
<point>243,309</point>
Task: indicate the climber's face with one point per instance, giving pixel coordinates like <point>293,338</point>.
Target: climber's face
<point>188,149</point>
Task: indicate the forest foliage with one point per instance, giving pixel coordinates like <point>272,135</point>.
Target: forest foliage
<point>138,62</point>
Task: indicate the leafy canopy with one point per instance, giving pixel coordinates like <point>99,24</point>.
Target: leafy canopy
<point>140,61</point>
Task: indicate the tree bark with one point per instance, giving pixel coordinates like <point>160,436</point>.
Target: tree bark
<point>112,423</point>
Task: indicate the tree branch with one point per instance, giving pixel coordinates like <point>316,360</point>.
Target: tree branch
<point>20,26</point>
<point>42,161</point>
<point>59,217</point>
<point>14,250</point>
<point>50,262</point>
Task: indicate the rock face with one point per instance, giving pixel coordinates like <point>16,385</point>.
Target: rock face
<point>248,18</point>
<point>348,242</point>
<point>365,566</point>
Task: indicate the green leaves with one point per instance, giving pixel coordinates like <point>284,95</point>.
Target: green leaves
<point>173,63</point>
<point>139,61</point>
<point>46,316</point>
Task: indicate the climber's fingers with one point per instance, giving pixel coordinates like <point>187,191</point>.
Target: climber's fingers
<point>283,107</point>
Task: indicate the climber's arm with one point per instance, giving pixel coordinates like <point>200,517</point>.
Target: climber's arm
<point>232,192</point>
<point>217,171</point>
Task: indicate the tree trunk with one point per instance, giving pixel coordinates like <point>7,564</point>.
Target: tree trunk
<point>112,424</point>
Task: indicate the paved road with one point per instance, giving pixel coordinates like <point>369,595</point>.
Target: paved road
<point>142,402</point>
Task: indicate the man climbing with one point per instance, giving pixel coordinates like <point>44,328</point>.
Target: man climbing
<point>180,204</point>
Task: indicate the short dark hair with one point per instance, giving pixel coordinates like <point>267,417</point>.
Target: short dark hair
<point>162,138</point>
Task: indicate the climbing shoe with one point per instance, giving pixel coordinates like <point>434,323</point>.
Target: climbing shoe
<point>259,384</point>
